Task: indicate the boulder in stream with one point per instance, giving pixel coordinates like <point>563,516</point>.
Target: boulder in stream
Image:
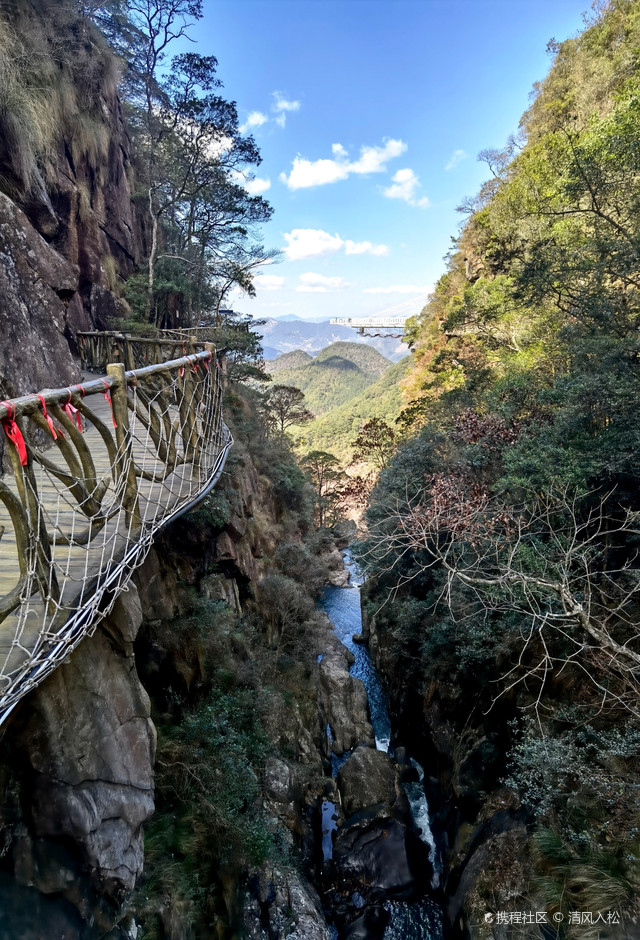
<point>379,856</point>
<point>343,700</point>
<point>366,779</point>
<point>339,578</point>
<point>281,903</point>
<point>376,853</point>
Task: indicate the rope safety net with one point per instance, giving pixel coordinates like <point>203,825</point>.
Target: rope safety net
<point>96,470</point>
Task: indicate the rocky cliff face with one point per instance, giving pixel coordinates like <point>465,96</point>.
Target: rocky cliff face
<point>78,785</point>
<point>76,782</point>
<point>68,228</point>
<point>37,284</point>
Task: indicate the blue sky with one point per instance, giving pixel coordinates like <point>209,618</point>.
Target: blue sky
<point>369,115</point>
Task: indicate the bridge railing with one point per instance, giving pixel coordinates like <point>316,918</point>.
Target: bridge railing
<point>97,350</point>
<point>91,473</point>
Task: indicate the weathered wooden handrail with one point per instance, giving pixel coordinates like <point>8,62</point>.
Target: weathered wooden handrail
<point>94,471</point>
<point>98,349</point>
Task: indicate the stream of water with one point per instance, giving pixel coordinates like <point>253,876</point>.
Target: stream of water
<point>421,920</point>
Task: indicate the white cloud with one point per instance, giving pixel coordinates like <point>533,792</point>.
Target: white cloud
<point>268,281</point>
<point>364,248</point>
<point>405,186</point>
<point>313,243</point>
<point>305,173</point>
<point>283,104</point>
<point>309,243</point>
<point>319,284</point>
<point>456,157</point>
<point>374,159</point>
<point>257,185</point>
<point>399,289</point>
<point>255,119</point>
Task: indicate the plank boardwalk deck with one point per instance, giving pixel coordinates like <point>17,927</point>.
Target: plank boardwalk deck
<point>25,634</point>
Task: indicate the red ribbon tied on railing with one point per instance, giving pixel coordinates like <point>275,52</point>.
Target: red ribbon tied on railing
<point>14,433</point>
<point>72,413</point>
<point>107,395</point>
<point>54,433</point>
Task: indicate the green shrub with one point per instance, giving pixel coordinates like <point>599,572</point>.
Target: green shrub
<point>294,561</point>
<point>284,607</point>
<point>578,786</point>
<point>217,509</point>
<point>209,817</point>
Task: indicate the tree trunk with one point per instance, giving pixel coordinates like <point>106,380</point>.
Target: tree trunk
<point>152,255</point>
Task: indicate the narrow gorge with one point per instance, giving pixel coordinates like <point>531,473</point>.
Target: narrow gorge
<point>368,667</point>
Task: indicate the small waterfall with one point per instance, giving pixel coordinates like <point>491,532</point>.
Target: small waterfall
<point>329,826</point>
<point>421,820</point>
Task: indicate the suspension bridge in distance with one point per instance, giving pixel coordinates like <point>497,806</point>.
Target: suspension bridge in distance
<point>393,326</point>
<point>90,475</point>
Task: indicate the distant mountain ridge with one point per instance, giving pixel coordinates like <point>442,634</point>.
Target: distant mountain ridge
<point>338,373</point>
<point>290,360</point>
<point>288,335</point>
<point>366,358</point>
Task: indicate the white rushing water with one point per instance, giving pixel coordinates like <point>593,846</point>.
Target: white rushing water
<point>421,819</point>
<point>329,826</point>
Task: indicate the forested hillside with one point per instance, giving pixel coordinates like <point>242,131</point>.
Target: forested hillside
<point>291,360</point>
<point>337,374</point>
<point>337,428</point>
<point>503,538</point>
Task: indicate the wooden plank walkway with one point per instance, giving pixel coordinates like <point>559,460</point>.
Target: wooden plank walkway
<point>82,571</point>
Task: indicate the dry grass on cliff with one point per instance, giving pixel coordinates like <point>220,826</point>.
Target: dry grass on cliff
<point>52,75</point>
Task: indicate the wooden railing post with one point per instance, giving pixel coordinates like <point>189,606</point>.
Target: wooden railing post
<point>128,357</point>
<point>188,416</point>
<point>216,396</point>
<point>125,463</point>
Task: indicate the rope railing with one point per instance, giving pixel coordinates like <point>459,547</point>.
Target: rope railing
<point>92,472</point>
